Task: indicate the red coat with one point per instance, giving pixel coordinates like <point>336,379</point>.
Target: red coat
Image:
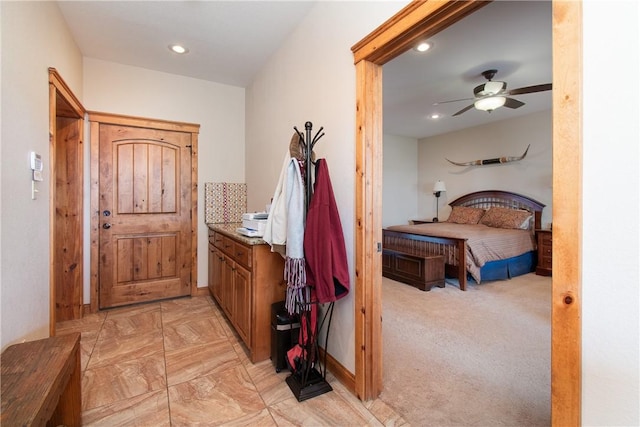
<point>324,249</point>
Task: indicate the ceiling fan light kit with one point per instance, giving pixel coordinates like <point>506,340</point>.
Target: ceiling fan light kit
<point>490,103</point>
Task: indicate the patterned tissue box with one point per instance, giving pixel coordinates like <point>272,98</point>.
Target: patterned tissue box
<point>224,202</point>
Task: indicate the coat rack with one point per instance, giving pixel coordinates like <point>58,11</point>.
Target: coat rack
<point>309,380</point>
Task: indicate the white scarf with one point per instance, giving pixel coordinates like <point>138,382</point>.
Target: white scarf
<point>285,230</point>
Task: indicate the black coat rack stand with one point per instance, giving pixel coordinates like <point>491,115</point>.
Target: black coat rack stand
<point>309,380</point>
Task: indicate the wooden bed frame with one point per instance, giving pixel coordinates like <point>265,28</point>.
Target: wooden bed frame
<point>454,249</point>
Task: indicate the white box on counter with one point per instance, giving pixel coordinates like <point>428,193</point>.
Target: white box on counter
<point>255,224</point>
<point>248,232</point>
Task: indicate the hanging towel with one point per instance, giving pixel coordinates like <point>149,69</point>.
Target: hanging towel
<point>285,229</point>
<point>324,247</point>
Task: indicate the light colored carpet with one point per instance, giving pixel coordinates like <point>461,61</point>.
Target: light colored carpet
<point>474,358</point>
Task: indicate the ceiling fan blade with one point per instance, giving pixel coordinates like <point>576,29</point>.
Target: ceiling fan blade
<point>530,89</point>
<point>452,100</point>
<point>513,103</point>
<point>467,108</point>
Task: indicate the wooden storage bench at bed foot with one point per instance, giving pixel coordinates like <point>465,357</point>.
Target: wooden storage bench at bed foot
<point>423,272</point>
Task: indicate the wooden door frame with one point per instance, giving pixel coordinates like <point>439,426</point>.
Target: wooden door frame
<point>62,103</point>
<point>422,19</point>
<point>97,118</point>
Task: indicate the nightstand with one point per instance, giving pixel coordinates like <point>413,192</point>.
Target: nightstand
<point>544,239</point>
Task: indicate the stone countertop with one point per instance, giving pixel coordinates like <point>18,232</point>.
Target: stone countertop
<point>229,229</point>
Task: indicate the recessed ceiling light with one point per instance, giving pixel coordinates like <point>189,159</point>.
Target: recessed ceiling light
<point>176,48</point>
<point>423,46</point>
<point>435,116</point>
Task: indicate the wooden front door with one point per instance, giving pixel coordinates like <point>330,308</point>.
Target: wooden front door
<point>145,214</point>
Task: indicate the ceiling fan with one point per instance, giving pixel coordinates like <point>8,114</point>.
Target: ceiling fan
<point>494,94</point>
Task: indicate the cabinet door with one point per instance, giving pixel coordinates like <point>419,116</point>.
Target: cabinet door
<point>242,303</point>
<point>226,288</point>
<point>215,273</point>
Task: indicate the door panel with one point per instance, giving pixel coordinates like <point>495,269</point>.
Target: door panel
<point>145,214</point>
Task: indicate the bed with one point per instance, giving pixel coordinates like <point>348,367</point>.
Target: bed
<point>490,235</point>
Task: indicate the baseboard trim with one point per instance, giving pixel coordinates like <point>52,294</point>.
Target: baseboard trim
<point>341,373</point>
<point>201,292</point>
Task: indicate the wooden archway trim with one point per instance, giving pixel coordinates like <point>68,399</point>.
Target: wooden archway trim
<point>66,122</point>
<point>423,19</point>
<point>67,104</point>
<point>420,19</point>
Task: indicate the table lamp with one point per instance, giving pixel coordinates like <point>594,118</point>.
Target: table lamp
<point>438,188</point>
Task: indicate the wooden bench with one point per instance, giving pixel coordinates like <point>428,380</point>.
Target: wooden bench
<point>41,382</point>
<point>423,272</point>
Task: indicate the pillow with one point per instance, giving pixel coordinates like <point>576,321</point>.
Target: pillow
<point>506,218</point>
<point>465,215</point>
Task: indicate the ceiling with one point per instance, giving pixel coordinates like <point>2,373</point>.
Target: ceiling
<point>224,45</point>
<point>228,41</point>
<point>513,37</point>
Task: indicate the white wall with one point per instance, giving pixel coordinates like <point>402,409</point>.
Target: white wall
<point>217,108</point>
<point>312,78</point>
<point>611,204</point>
<point>34,38</point>
<point>400,180</point>
<point>530,176</point>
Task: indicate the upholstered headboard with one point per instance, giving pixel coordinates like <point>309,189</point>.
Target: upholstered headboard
<point>505,199</point>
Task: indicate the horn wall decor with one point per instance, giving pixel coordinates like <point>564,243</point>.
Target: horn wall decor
<point>491,161</point>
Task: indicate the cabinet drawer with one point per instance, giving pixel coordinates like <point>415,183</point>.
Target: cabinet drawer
<point>242,255</point>
<point>226,244</point>
<point>216,239</point>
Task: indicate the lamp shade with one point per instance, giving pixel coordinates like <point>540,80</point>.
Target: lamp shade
<point>439,186</point>
<point>490,103</point>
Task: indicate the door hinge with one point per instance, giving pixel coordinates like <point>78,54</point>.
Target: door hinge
<point>379,247</point>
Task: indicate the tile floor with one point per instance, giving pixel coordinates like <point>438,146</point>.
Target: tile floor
<point>179,363</point>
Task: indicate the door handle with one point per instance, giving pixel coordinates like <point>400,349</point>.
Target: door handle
<point>106,225</point>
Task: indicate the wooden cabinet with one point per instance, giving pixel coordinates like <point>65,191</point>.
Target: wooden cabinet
<point>544,238</point>
<point>245,278</point>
